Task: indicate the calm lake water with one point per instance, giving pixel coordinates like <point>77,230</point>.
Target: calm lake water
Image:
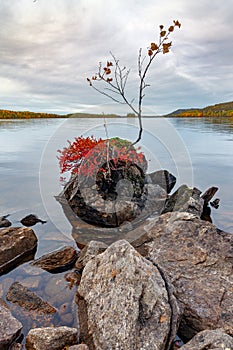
<point>199,152</point>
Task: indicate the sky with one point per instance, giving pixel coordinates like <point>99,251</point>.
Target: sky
<point>49,48</point>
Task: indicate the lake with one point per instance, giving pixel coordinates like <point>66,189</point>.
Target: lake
<point>198,151</point>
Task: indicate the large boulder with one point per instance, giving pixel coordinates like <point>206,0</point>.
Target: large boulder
<point>198,259</point>
<point>120,201</point>
<point>51,338</point>
<point>106,187</point>
<point>132,195</point>
<point>210,339</point>
<point>10,327</point>
<point>124,302</point>
<point>15,245</point>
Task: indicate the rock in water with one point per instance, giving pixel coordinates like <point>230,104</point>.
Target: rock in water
<point>57,261</point>
<point>15,245</point>
<point>23,297</point>
<point>215,203</point>
<point>208,195</point>
<point>123,302</point>
<point>31,220</point>
<point>4,222</point>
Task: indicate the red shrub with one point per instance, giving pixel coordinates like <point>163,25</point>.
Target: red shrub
<point>87,155</point>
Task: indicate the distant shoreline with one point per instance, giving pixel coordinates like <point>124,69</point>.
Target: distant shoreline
<point>218,110</point>
<point>11,115</point>
<point>117,117</point>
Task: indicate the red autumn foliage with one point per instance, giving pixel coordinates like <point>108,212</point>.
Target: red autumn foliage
<point>71,156</point>
<point>87,155</point>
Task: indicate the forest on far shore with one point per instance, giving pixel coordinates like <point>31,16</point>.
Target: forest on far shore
<point>218,110</point>
<point>7,114</point>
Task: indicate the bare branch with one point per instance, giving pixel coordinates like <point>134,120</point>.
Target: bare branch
<point>118,82</point>
<point>109,96</point>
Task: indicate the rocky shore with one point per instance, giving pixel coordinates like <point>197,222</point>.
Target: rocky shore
<point>168,284</point>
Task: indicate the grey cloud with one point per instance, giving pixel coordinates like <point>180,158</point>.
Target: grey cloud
<point>49,48</point>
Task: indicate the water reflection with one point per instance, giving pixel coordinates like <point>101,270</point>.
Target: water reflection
<point>208,124</point>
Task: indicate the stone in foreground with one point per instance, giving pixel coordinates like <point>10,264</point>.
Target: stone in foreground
<point>210,339</point>
<point>10,327</point>
<point>123,302</point>
<point>16,243</point>
<point>51,338</point>
<point>198,259</point>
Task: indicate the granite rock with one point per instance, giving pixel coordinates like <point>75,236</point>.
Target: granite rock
<point>10,327</point>
<point>51,338</point>
<point>123,302</point>
<point>15,245</point>
<point>210,339</point>
<point>197,258</point>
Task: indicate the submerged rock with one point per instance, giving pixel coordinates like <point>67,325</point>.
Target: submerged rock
<point>57,261</point>
<point>23,297</point>
<point>10,327</point>
<point>124,302</point>
<point>51,338</point>
<point>198,259</point>
<point>15,245</point>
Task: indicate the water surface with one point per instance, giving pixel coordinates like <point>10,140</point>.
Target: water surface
<point>199,152</point>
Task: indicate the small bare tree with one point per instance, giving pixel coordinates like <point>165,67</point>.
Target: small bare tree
<point>116,77</point>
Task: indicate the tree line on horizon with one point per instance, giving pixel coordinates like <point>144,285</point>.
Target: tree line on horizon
<point>8,114</point>
<point>217,110</point>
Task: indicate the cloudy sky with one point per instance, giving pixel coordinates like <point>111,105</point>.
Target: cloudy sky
<point>49,48</point>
